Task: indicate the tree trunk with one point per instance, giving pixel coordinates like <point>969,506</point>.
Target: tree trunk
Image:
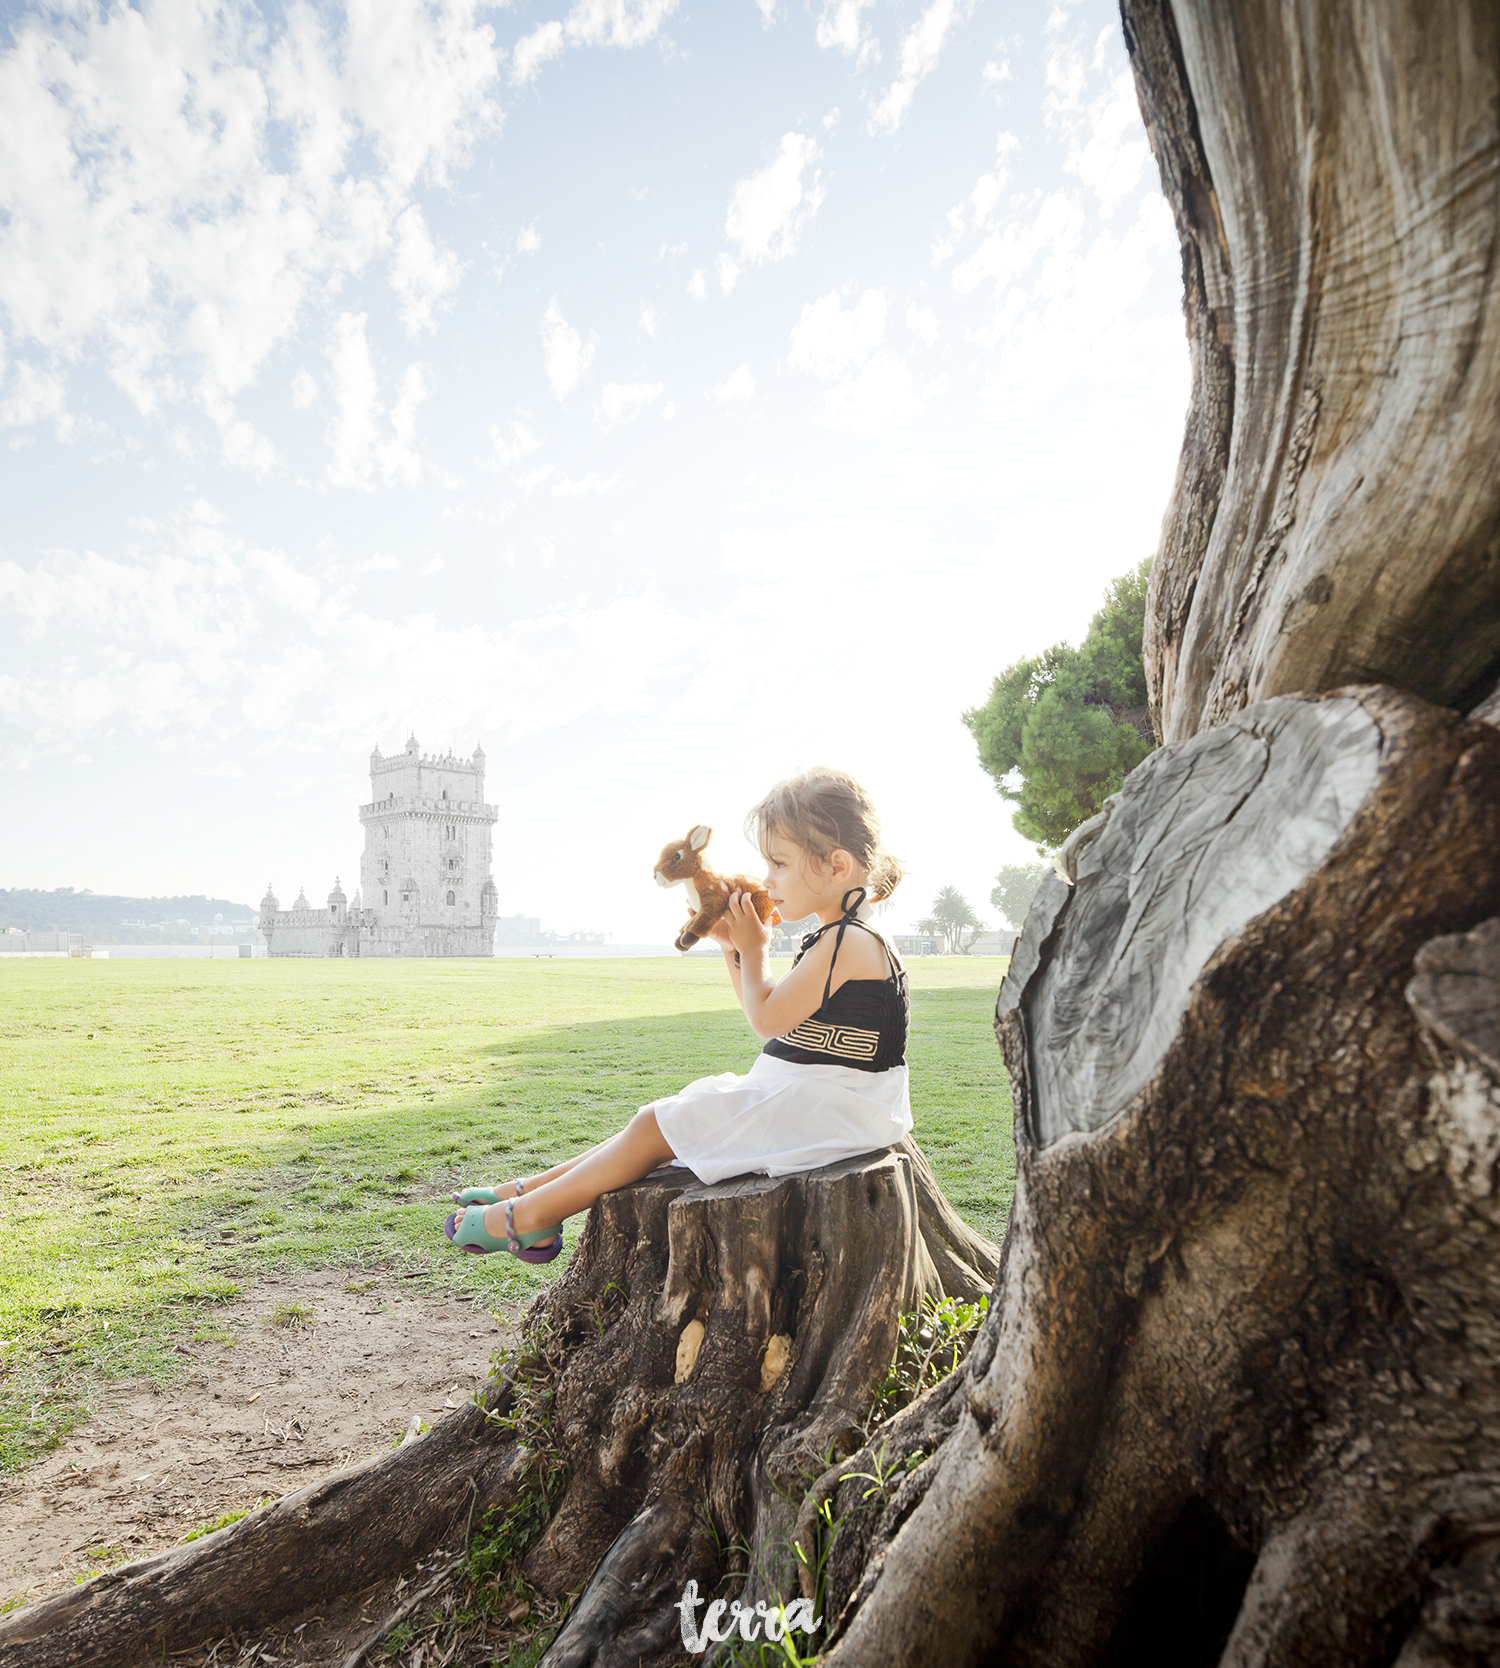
<point>1334,171</point>
<point>1237,1397</point>
<point>676,1391</point>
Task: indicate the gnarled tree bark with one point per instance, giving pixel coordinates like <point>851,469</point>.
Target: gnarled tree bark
<point>684,1380</point>
<point>1334,171</point>
<point>1244,1354</point>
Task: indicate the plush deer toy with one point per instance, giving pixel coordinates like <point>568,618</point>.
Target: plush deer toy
<point>681,863</point>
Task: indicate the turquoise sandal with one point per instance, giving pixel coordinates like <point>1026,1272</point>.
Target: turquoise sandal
<point>486,1195</point>
<point>468,1231</point>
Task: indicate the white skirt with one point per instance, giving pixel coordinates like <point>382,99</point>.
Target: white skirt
<point>781,1117</point>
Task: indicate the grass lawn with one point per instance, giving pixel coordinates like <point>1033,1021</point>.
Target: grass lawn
<point>168,1128</point>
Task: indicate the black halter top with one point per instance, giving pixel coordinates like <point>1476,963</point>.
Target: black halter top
<point>864,1022</point>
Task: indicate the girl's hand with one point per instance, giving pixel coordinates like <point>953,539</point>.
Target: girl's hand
<point>719,932</point>
<point>747,932</point>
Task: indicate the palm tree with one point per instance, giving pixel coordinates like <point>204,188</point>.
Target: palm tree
<point>952,917</point>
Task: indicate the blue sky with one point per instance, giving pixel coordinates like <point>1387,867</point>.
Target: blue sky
<point>666,396</point>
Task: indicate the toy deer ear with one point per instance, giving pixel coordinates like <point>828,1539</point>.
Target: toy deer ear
<point>698,837</point>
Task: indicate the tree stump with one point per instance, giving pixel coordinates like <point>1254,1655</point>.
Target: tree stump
<point>1237,1397</point>
<point>682,1383</point>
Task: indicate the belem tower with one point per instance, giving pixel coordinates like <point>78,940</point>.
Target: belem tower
<point>424,877</point>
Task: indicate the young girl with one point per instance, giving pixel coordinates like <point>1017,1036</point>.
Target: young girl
<point>831,1083</point>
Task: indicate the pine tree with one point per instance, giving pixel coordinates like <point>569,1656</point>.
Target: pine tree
<point>1060,732</point>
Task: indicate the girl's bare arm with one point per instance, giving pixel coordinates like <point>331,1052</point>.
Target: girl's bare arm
<point>774,1009</point>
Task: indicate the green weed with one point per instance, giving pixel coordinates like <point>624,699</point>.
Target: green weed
<point>932,1342</point>
<point>222,1522</point>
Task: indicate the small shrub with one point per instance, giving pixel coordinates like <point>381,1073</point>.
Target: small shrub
<point>295,1316</point>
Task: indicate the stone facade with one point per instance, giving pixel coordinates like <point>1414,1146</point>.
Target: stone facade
<point>425,869</point>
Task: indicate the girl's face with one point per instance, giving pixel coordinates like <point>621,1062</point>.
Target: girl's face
<point>791,878</point>
<point>801,884</point>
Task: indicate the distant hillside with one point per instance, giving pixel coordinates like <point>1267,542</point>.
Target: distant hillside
<point>99,916</point>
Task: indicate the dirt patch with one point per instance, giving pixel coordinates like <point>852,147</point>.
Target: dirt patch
<point>281,1406</point>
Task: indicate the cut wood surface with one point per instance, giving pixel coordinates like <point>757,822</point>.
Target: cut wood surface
<point>1202,838</point>
<point>1334,172</point>
<point>1235,1400</point>
<point>683,1382</point>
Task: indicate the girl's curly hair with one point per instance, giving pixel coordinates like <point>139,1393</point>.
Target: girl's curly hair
<point>825,811</point>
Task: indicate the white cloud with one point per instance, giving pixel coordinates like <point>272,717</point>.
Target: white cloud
<point>829,339</point>
<point>433,565</point>
<point>422,275</point>
<point>739,385</point>
<point>995,74</point>
<point>521,443</point>
<point>1110,153</point>
<point>949,241</point>
<point>920,52</point>
<point>190,631</point>
<point>566,355</point>
<point>987,187</point>
<point>304,389</point>
<point>1054,229</point>
<point>179,185</point>
<point>619,23</point>
<point>241,445</point>
<point>532,51</point>
<point>841,27</point>
<point>34,395</point>
<point>831,120</point>
<point>695,285</point>
<point>360,448</point>
<point>873,390</point>
<point>353,433</point>
<point>923,324</point>
<point>768,209</point>
<point>622,401</point>
<point>1107,147</point>
<point>528,239</point>
<point>592,485</point>
<point>767,9</point>
<point>649,321</point>
<point>879,399</point>
<point>1072,327</point>
<point>398,455</point>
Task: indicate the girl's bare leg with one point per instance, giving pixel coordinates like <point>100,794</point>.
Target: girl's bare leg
<point>626,1157</point>
<point>507,1189</point>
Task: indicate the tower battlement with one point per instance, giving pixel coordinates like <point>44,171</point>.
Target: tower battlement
<point>425,887</point>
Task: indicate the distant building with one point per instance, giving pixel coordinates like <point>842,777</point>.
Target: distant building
<point>425,886</point>
<point>513,930</point>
